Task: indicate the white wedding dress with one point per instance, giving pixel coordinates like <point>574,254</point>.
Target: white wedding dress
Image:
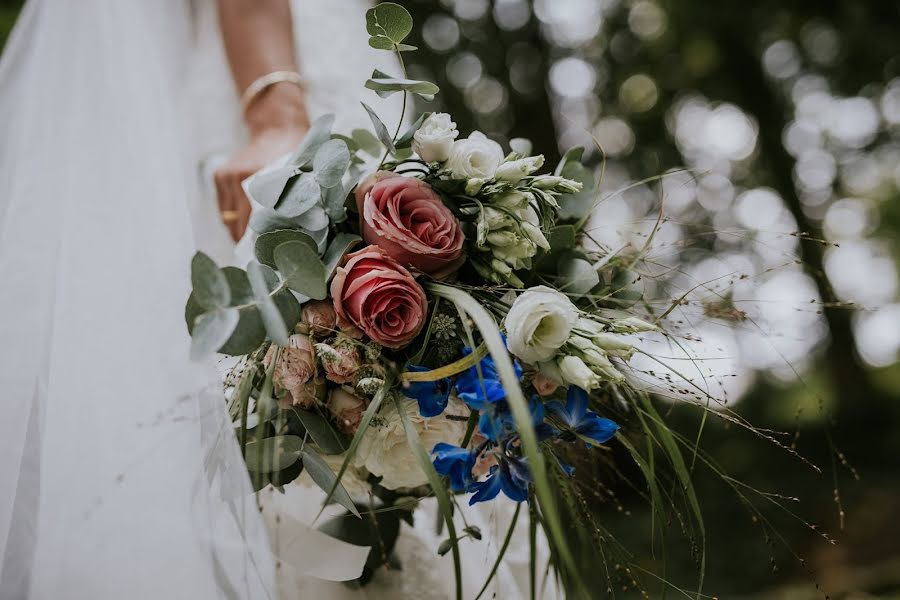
<point>119,474</point>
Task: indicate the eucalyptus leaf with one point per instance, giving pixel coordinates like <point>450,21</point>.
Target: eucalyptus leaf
<point>380,129</point>
<point>266,188</point>
<point>339,246</point>
<point>263,220</point>
<point>325,478</point>
<point>300,195</point>
<point>389,20</point>
<point>319,133</point>
<point>274,453</point>
<point>209,283</point>
<point>406,139</point>
<point>576,275</point>
<point>326,437</point>
<point>334,199</point>
<point>367,142</point>
<point>267,242</point>
<point>573,154</point>
<point>331,162</point>
<point>261,280</point>
<point>211,330</point>
<point>301,268</point>
<point>381,42</point>
<point>314,219</point>
<point>384,86</point>
<point>249,333</point>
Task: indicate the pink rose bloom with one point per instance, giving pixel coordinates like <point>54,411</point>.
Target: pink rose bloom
<point>379,296</point>
<point>295,368</point>
<point>347,409</point>
<point>406,218</point>
<point>341,361</point>
<point>544,385</point>
<point>319,317</point>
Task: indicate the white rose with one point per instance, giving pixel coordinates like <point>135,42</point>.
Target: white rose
<point>538,323</point>
<point>434,138</point>
<point>514,171</point>
<point>574,371</point>
<point>476,157</point>
<point>385,451</point>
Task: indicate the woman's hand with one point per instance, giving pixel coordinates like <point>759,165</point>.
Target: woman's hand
<point>277,123</point>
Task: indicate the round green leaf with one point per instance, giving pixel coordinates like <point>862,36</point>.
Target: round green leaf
<point>211,330</point>
<point>331,162</point>
<point>302,269</point>
<point>302,193</point>
<point>389,20</point>
<point>210,286</point>
<point>267,242</point>
<point>318,134</point>
<point>264,281</point>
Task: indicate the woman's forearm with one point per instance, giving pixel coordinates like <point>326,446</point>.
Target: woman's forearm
<point>259,39</point>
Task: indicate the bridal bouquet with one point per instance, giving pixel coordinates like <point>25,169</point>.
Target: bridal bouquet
<point>432,326</point>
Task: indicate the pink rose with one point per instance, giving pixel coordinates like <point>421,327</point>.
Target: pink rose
<point>406,218</point>
<point>544,385</point>
<point>319,317</point>
<point>376,294</point>
<point>296,366</point>
<point>347,409</point>
<point>340,361</point>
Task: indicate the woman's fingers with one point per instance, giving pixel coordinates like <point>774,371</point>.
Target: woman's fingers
<point>234,207</point>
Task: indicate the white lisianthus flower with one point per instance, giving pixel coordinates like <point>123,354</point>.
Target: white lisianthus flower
<point>575,372</point>
<point>476,157</point>
<point>539,323</point>
<point>514,171</point>
<point>385,451</point>
<point>434,138</point>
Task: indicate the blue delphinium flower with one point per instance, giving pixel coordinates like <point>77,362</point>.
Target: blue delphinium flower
<point>511,475</point>
<point>579,420</point>
<point>456,463</point>
<point>432,396</point>
<point>487,389</point>
<point>497,422</point>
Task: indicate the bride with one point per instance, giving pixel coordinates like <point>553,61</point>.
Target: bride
<point>126,129</point>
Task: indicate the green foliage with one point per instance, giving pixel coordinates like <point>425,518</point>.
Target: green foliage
<point>264,282</point>
<point>388,24</point>
<point>324,477</point>
<point>384,85</point>
<point>326,437</point>
<point>267,242</point>
<point>273,454</point>
<point>380,129</point>
<point>301,268</point>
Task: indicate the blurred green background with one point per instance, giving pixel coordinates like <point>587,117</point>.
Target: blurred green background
<point>781,238</point>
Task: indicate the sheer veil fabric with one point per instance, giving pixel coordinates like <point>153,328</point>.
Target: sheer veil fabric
<point>119,473</point>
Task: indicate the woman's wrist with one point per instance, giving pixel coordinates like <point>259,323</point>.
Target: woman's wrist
<point>280,106</point>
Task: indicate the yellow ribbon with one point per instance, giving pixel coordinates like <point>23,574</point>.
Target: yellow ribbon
<point>450,370</point>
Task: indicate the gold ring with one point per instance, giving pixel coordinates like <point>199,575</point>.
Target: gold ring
<point>230,216</point>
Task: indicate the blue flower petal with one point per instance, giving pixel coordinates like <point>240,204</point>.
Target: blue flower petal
<point>485,490</point>
<point>513,483</point>
<point>576,403</point>
<point>597,428</point>
<point>454,462</point>
<point>432,396</point>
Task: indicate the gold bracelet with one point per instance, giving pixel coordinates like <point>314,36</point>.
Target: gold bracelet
<point>261,84</point>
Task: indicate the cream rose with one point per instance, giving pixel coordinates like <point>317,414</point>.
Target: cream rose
<point>476,157</point>
<point>385,451</point>
<point>434,138</point>
<point>539,323</point>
